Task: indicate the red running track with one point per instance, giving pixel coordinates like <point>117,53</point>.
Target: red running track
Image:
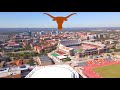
<point>88,70</point>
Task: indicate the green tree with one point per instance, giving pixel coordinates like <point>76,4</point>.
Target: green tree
<point>30,62</point>
<point>27,47</point>
<point>116,50</point>
<point>115,42</point>
<point>66,59</point>
<point>1,50</point>
<point>8,59</point>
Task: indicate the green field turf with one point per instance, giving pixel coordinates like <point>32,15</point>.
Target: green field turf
<point>55,55</point>
<point>80,50</point>
<point>111,71</point>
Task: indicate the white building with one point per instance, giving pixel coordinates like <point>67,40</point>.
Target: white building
<point>53,71</point>
<point>6,72</point>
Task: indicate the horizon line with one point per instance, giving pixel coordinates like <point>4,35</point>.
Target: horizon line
<point>65,27</point>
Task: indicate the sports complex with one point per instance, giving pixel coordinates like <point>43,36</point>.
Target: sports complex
<point>96,68</point>
<point>101,69</point>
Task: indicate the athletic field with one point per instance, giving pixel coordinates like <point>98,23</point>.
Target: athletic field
<point>55,54</point>
<point>110,71</point>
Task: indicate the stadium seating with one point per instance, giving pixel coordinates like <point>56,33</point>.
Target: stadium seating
<point>60,52</point>
<point>70,42</point>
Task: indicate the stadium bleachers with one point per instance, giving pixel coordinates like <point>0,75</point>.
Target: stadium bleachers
<point>82,64</point>
<point>70,42</point>
<point>60,52</point>
<point>98,61</point>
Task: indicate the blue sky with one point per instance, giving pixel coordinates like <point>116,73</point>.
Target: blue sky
<point>40,20</point>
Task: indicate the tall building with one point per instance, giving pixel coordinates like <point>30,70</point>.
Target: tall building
<point>92,36</point>
<point>29,33</point>
<point>42,33</point>
<point>101,35</point>
<point>54,32</point>
<point>97,36</point>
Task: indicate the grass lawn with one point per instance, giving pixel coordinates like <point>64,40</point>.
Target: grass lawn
<point>80,50</point>
<point>55,55</point>
<point>111,71</point>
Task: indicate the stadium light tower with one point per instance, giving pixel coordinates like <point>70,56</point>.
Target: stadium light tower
<point>59,20</point>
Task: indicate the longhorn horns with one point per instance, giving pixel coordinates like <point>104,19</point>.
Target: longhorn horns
<point>70,15</point>
<point>54,17</point>
<point>49,15</point>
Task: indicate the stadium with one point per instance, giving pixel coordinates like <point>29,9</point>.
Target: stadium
<point>81,48</point>
<point>77,48</point>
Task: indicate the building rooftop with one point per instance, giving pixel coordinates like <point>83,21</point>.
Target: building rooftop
<point>94,43</point>
<point>53,71</point>
<point>45,59</point>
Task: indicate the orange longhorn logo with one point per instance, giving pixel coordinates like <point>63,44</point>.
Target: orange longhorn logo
<point>60,20</point>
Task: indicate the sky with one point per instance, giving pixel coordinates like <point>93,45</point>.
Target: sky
<point>40,20</point>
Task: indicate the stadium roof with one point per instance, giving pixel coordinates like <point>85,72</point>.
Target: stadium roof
<point>45,59</point>
<point>70,42</point>
<point>53,71</point>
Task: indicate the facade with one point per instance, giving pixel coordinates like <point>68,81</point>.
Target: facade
<point>10,74</point>
<point>117,46</point>
<point>30,33</point>
<point>37,49</point>
<point>42,33</point>
<point>65,49</point>
<point>54,32</point>
<point>81,49</point>
<point>8,49</point>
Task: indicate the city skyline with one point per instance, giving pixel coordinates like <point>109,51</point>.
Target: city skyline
<point>39,20</point>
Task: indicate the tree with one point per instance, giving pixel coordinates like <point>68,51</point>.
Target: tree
<point>8,59</point>
<point>110,51</point>
<point>116,50</point>
<point>113,53</point>
<point>30,62</point>
<point>115,42</point>
<point>1,50</point>
<point>66,59</point>
<point>27,47</point>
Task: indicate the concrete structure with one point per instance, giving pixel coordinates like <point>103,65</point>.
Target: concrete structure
<point>53,71</point>
<point>10,74</point>
<point>44,60</point>
<point>13,72</point>
<point>81,49</point>
<point>117,46</point>
<point>65,49</point>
